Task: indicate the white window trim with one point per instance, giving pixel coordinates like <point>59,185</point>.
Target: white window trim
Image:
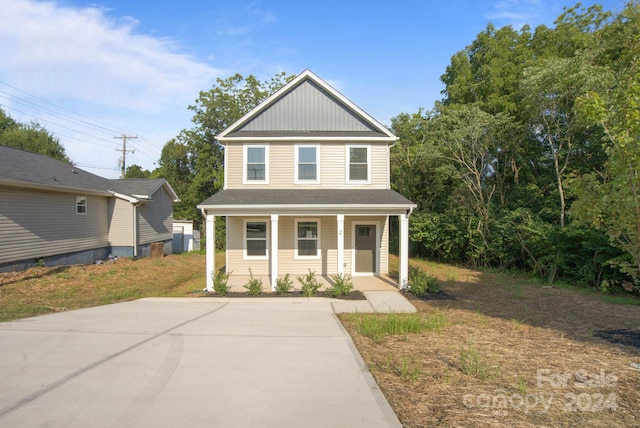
<point>245,149</point>
<point>348,162</point>
<point>296,179</point>
<point>295,239</point>
<point>244,238</point>
<point>80,199</point>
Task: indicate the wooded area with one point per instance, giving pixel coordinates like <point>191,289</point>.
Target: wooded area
<point>530,161</point>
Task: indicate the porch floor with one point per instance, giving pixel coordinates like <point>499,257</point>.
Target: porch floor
<point>361,283</point>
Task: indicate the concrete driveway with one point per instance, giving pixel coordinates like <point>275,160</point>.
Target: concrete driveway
<point>187,363</point>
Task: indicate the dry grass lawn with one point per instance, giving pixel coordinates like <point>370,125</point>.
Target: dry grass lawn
<point>53,289</point>
<point>499,350</point>
<point>511,353</point>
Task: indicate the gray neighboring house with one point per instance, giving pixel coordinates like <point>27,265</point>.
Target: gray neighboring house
<point>54,213</point>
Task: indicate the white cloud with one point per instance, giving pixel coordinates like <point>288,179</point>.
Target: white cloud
<point>517,12</point>
<point>81,59</point>
<point>79,53</point>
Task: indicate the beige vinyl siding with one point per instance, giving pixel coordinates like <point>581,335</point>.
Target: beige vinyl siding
<point>287,262</point>
<point>155,218</point>
<point>235,248</point>
<point>332,166</point>
<point>37,224</point>
<point>120,223</point>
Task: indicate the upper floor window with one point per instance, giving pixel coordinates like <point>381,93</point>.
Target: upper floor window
<point>307,164</point>
<point>359,164</point>
<point>256,164</point>
<point>81,204</point>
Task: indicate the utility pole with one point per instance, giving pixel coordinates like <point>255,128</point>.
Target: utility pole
<point>124,151</point>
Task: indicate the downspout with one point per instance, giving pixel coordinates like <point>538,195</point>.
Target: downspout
<point>135,230</point>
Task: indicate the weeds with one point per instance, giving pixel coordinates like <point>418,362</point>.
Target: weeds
<point>376,326</point>
<point>472,363</point>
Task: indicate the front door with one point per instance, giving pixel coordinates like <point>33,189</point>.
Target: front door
<point>365,248</point>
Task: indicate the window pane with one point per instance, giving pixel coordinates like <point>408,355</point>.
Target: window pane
<point>307,154</point>
<point>256,230</point>
<point>307,172</point>
<point>358,172</point>
<point>257,247</point>
<point>307,247</point>
<point>358,155</point>
<point>255,155</point>
<point>307,229</point>
<point>255,172</point>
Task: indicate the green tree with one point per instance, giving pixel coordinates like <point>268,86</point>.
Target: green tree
<point>31,137</point>
<point>609,199</point>
<point>136,171</point>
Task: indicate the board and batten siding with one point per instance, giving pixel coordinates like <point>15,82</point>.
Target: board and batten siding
<point>308,107</point>
<point>36,224</point>
<point>155,219</point>
<point>332,166</point>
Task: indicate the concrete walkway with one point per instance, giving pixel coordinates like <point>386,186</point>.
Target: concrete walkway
<point>189,362</point>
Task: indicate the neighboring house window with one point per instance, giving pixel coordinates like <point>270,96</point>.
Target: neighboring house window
<point>81,204</point>
<point>307,239</point>
<point>255,235</point>
<point>307,164</point>
<point>256,164</point>
<point>359,164</point>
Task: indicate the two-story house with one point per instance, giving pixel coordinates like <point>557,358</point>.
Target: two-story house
<point>307,186</point>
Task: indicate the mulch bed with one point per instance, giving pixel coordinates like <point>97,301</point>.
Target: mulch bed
<point>354,295</point>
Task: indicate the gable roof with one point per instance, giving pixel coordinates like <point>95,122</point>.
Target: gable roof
<point>20,168</point>
<point>307,108</point>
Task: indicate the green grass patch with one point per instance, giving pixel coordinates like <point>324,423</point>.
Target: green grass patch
<point>378,326</point>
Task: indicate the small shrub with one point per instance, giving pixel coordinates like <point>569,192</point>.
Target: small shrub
<point>283,285</point>
<point>220,282</point>
<point>309,283</point>
<point>420,283</point>
<point>342,286</point>
<point>254,285</point>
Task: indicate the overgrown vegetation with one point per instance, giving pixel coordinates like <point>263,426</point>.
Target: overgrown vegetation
<point>377,326</point>
<point>309,284</point>
<point>532,158</point>
<point>341,286</point>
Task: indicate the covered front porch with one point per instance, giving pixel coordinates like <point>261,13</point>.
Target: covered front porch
<point>271,233</point>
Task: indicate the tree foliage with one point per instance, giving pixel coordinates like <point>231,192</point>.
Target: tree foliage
<point>30,137</point>
<point>532,158</point>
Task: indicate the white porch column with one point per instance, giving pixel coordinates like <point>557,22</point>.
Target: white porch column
<point>404,251</point>
<point>274,251</point>
<point>340,241</point>
<point>210,249</point>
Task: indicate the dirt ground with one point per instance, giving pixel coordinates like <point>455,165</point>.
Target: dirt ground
<point>513,354</point>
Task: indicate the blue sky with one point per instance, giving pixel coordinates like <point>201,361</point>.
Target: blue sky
<point>92,70</point>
